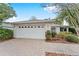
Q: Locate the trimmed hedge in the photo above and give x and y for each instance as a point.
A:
(54, 34)
(6, 34)
(72, 38)
(48, 35)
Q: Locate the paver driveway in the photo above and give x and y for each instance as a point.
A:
(30, 47)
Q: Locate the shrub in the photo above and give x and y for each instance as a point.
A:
(63, 34)
(48, 35)
(72, 30)
(53, 34)
(6, 34)
(72, 38)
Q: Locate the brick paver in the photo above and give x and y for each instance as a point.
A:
(31, 47)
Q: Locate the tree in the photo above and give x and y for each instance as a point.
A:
(6, 11)
(68, 12)
(33, 18)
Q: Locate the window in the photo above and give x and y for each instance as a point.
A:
(42, 26)
(22, 26)
(63, 29)
(31, 26)
(25, 26)
(53, 29)
(19, 26)
(38, 26)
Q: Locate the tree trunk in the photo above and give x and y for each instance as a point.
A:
(77, 31)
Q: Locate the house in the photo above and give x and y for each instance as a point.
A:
(34, 29)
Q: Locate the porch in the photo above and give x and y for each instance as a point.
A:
(58, 29)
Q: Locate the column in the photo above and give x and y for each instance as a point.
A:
(67, 29)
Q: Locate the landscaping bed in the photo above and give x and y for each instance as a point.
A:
(60, 41)
(56, 54)
(62, 37)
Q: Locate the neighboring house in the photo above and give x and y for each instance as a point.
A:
(8, 25)
(35, 29)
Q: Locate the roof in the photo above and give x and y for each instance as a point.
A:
(37, 21)
(32, 21)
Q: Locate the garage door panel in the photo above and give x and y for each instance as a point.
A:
(34, 33)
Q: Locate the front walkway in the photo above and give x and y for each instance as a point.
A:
(29, 47)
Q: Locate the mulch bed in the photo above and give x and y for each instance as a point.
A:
(56, 54)
(59, 41)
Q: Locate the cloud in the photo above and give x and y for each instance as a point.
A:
(14, 19)
(51, 9)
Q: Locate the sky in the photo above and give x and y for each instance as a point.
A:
(25, 11)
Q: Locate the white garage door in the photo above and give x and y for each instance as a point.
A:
(34, 33)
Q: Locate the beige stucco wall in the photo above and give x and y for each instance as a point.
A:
(49, 25)
(34, 33)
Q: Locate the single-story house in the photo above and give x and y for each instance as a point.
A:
(34, 29)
